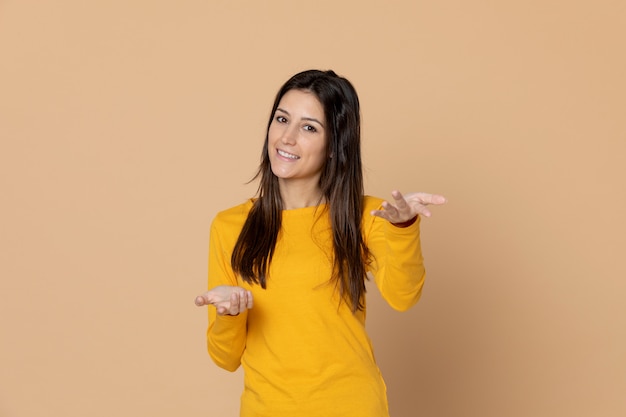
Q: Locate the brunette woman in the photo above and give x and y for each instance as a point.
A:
(287, 269)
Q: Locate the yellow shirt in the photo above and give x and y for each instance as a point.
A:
(303, 351)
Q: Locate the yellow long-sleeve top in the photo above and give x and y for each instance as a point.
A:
(303, 351)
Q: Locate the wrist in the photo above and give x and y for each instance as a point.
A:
(406, 223)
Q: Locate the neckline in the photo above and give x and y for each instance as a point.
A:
(305, 210)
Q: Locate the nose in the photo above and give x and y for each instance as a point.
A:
(289, 135)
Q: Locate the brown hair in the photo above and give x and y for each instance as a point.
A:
(341, 183)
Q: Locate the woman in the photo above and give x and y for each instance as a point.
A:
(300, 253)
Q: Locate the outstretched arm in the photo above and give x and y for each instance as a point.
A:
(228, 302)
(227, 323)
(394, 241)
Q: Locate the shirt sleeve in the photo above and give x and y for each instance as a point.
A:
(226, 335)
(397, 262)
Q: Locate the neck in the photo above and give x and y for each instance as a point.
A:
(299, 195)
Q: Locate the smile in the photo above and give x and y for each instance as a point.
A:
(287, 154)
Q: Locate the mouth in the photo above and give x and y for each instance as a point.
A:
(287, 155)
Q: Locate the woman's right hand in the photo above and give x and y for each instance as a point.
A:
(227, 299)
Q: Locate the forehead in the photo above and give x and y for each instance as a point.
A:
(302, 103)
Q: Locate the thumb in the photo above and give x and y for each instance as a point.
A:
(434, 199)
(201, 301)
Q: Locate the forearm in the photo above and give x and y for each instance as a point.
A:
(226, 340)
(400, 275)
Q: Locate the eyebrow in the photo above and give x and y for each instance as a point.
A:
(311, 119)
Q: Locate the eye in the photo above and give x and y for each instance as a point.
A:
(310, 128)
(281, 119)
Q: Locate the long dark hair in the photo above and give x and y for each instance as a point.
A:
(341, 183)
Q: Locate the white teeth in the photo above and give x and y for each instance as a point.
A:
(287, 155)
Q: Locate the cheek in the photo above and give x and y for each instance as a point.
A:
(323, 150)
(320, 155)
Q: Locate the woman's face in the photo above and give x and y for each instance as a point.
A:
(297, 138)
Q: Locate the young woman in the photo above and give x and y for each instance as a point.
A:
(287, 270)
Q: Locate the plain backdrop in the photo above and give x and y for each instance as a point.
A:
(125, 126)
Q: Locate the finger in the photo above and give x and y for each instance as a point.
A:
(401, 203)
(385, 214)
(426, 198)
(438, 199)
(390, 210)
(422, 210)
(379, 213)
(201, 301)
(234, 304)
(243, 301)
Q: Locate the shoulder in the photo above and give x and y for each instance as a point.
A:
(232, 218)
(371, 203)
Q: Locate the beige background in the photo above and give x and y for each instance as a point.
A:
(126, 125)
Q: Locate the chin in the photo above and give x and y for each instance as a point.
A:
(278, 174)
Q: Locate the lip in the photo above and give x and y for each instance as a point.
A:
(285, 158)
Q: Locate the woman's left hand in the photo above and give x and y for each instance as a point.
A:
(405, 208)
